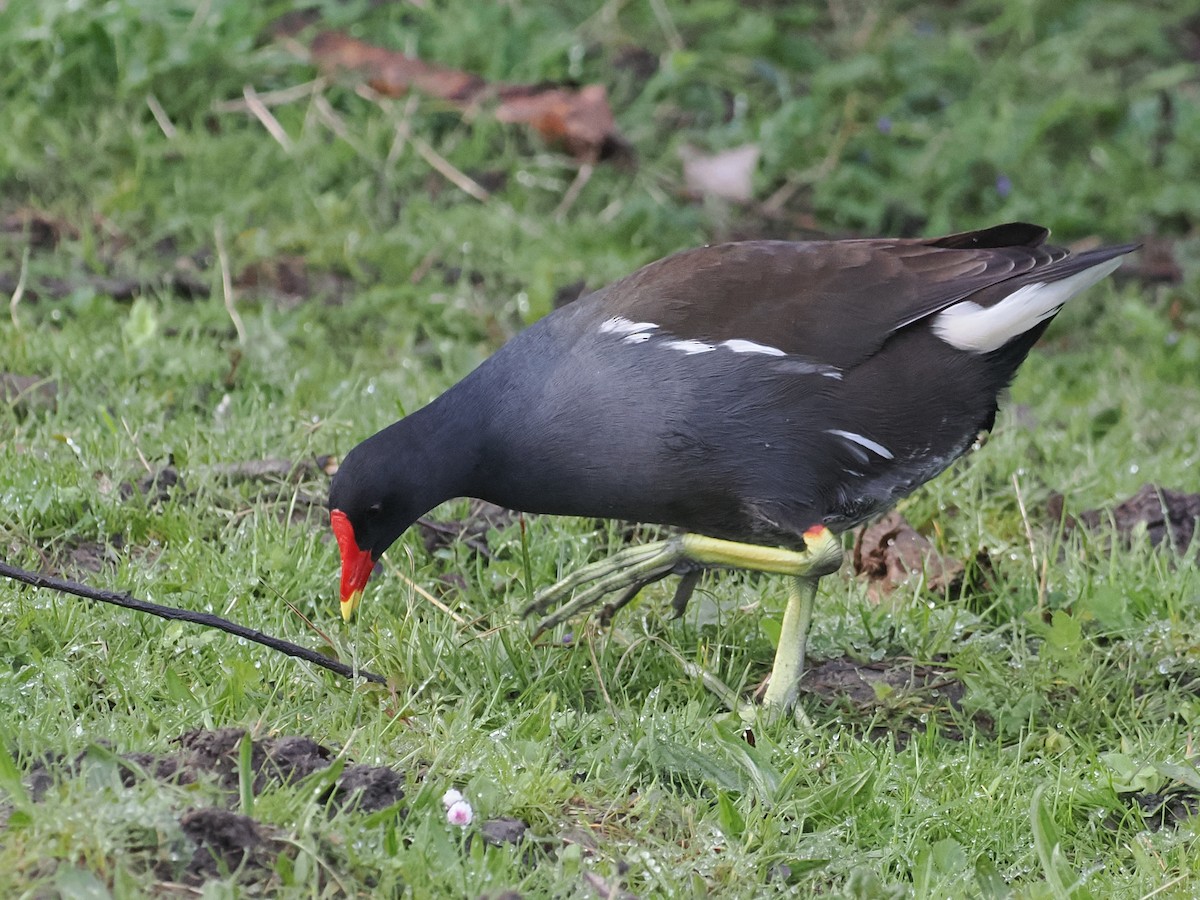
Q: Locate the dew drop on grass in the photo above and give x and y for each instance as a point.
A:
(650, 862)
(1134, 468)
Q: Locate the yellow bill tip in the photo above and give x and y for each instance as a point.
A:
(350, 604)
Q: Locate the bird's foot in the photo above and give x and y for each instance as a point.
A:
(687, 555)
(628, 572)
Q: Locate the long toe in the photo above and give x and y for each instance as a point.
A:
(632, 562)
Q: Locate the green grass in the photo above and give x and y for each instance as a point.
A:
(872, 118)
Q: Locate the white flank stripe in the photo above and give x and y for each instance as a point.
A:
(621, 325)
(737, 345)
(862, 442)
(690, 347)
(979, 329)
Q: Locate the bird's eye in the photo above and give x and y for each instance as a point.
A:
(374, 509)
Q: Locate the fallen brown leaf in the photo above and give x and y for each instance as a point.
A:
(891, 553)
(391, 72)
(580, 120)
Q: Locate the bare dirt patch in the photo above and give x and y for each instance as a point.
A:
(1166, 517)
(217, 839)
(220, 839)
(902, 696)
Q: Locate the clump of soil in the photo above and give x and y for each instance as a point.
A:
(222, 840)
(219, 839)
(907, 695)
(225, 841)
(274, 761)
(1167, 518)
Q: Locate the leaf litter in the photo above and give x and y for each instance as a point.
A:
(890, 554)
(580, 120)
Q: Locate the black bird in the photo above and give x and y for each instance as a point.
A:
(762, 396)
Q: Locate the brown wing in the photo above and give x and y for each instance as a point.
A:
(835, 302)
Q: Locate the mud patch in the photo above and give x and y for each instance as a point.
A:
(216, 756)
(289, 281)
(505, 830)
(215, 838)
(903, 697)
(1164, 516)
(220, 840)
(863, 684)
(1171, 808)
(225, 841)
(88, 556)
(156, 487)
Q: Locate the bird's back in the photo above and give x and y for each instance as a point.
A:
(751, 390)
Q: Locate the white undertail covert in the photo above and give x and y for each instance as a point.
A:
(982, 329)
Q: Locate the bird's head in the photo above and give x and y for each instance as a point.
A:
(368, 510)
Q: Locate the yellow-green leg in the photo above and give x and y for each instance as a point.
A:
(784, 686)
(641, 565)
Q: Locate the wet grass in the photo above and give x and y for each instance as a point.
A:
(1072, 691)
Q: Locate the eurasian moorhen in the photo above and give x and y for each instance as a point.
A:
(759, 395)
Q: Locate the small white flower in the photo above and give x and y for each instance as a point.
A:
(460, 813)
(450, 798)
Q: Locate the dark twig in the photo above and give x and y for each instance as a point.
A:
(170, 612)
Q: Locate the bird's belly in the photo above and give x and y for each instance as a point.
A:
(865, 495)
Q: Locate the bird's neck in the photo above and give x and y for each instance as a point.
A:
(435, 451)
